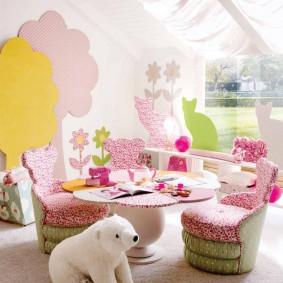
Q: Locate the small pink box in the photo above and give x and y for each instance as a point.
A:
(101, 172)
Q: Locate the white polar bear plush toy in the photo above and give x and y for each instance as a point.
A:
(97, 254)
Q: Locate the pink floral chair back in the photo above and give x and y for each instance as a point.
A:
(58, 214)
(40, 163)
(266, 172)
(124, 152)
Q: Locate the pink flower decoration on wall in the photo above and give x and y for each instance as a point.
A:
(253, 149)
(79, 141)
(153, 74)
(75, 72)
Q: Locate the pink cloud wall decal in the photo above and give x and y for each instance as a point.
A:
(75, 72)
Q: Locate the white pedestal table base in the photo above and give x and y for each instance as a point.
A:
(149, 224)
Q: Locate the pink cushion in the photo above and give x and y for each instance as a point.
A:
(215, 222)
(74, 213)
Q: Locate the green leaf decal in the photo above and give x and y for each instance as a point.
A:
(97, 161)
(107, 158)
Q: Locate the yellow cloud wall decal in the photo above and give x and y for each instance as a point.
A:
(27, 100)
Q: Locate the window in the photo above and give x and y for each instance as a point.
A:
(232, 87)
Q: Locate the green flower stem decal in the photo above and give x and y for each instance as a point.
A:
(153, 74)
(101, 136)
(172, 73)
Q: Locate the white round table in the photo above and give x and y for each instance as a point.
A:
(146, 214)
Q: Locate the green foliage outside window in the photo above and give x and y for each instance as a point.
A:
(232, 87)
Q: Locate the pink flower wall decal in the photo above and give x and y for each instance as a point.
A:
(153, 74)
(79, 141)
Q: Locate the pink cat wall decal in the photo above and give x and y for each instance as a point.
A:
(75, 72)
(271, 131)
(153, 121)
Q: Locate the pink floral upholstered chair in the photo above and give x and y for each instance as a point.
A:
(224, 238)
(58, 214)
(124, 152)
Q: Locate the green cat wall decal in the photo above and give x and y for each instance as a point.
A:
(200, 126)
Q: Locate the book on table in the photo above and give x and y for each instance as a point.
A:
(120, 190)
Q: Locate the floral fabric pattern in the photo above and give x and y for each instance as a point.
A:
(215, 222)
(147, 201)
(59, 208)
(40, 165)
(248, 200)
(124, 152)
(222, 222)
(74, 213)
(252, 149)
(267, 174)
(153, 121)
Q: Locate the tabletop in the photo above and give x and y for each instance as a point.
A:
(155, 199)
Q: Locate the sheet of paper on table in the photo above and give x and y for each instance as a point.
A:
(194, 183)
(186, 181)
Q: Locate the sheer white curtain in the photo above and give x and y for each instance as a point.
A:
(204, 25)
(266, 16)
(207, 27)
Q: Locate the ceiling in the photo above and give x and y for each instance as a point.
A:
(128, 24)
(210, 28)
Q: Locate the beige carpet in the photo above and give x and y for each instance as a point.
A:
(21, 261)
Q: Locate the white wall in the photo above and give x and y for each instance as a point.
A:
(121, 76)
(113, 105)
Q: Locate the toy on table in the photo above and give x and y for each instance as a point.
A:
(99, 176)
(180, 190)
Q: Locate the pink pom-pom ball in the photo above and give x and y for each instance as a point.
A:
(275, 194)
(183, 143)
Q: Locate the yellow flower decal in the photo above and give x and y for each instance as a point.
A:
(153, 72)
(172, 72)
